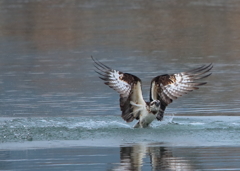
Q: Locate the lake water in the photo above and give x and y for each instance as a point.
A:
(56, 114)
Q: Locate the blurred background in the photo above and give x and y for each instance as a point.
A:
(46, 69)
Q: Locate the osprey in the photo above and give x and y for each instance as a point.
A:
(163, 90)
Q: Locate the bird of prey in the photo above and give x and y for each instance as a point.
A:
(163, 90)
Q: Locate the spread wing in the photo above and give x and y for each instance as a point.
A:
(128, 86)
(167, 87)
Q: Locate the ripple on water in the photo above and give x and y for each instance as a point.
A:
(180, 130)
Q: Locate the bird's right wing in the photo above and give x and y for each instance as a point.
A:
(129, 88)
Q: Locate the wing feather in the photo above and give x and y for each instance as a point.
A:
(169, 87)
(128, 86)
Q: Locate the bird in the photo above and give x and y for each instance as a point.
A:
(163, 90)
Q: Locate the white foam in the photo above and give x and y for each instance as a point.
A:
(197, 123)
(99, 124)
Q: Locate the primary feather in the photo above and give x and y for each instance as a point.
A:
(169, 87)
(127, 85)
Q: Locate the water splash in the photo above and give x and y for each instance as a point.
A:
(113, 129)
(92, 124)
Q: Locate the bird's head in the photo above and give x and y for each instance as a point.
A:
(155, 106)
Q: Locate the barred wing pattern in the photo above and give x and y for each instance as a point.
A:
(167, 87)
(129, 88)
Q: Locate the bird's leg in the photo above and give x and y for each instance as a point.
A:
(160, 114)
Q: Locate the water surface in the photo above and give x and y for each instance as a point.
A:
(108, 143)
(132, 157)
(113, 131)
(56, 114)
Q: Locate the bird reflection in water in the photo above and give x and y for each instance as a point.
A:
(137, 156)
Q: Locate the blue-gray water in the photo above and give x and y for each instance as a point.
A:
(56, 114)
(113, 131)
(107, 143)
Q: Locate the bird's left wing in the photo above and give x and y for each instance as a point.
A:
(169, 87)
(129, 88)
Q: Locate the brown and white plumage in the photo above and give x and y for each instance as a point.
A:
(169, 87)
(129, 88)
(163, 90)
